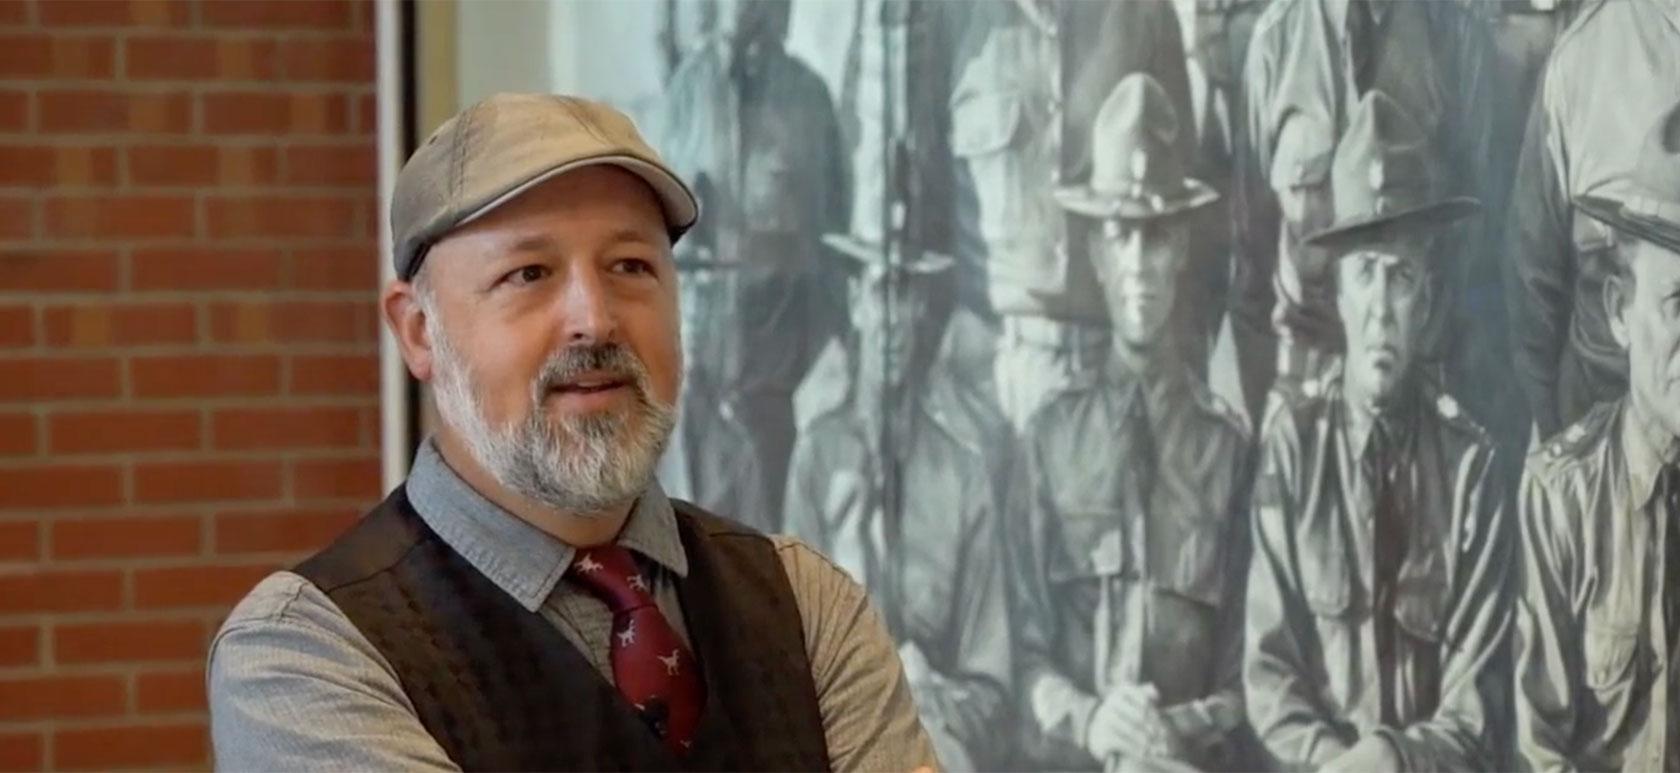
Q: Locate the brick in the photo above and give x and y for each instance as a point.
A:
(291, 216)
(356, 374)
(126, 537)
(238, 429)
(336, 479)
(120, 216)
(121, 325)
(14, 12)
(17, 329)
(345, 165)
(345, 60)
(367, 114)
(63, 485)
(17, 434)
(57, 165)
(163, 482)
(115, 111)
(197, 268)
(281, 530)
(106, 748)
(19, 541)
(280, 14)
(122, 431)
(337, 268)
(205, 376)
(293, 322)
(271, 113)
(115, 13)
(55, 55)
(17, 217)
(22, 751)
(196, 586)
(129, 641)
(179, 57)
(57, 270)
(201, 165)
(167, 692)
(59, 591)
(59, 697)
(58, 379)
(20, 645)
(14, 110)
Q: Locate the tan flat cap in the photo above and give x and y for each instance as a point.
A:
(504, 145)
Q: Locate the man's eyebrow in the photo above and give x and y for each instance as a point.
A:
(620, 235)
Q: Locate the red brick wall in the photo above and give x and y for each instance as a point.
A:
(188, 382)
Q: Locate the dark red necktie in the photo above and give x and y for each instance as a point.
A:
(654, 671)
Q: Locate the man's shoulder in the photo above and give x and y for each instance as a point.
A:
(1598, 22)
(1568, 460)
(283, 619)
(1463, 433)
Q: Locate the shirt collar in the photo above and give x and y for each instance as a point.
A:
(522, 560)
(1646, 451)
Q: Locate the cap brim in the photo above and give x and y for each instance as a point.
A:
(1434, 215)
(675, 199)
(862, 252)
(1610, 212)
(1084, 200)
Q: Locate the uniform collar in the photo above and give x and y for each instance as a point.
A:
(522, 560)
(1646, 451)
(1161, 383)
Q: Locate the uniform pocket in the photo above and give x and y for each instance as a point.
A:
(1609, 652)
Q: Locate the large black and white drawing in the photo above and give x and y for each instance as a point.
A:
(1200, 384)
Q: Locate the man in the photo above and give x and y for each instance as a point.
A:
(1379, 602)
(1320, 57)
(1031, 75)
(760, 125)
(1128, 541)
(1580, 137)
(711, 459)
(893, 485)
(529, 598)
(1598, 624)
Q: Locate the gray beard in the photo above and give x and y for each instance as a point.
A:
(578, 465)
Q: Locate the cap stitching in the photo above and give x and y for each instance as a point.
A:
(583, 119)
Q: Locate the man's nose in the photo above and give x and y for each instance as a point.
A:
(586, 309)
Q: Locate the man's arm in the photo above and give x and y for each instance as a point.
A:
(1467, 730)
(1285, 706)
(1539, 272)
(869, 717)
(293, 685)
(1548, 656)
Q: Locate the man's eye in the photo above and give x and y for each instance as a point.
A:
(632, 266)
(528, 274)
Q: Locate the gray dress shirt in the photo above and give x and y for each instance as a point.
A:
(295, 685)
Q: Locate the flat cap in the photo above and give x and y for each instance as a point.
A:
(503, 146)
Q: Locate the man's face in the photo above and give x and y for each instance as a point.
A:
(554, 334)
(1383, 297)
(1137, 264)
(892, 323)
(1645, 319)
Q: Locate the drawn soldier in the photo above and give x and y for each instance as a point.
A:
(1581, 136)
(891, 485)
(1127, 538)
(760, 126)
(1379, 598)
(1598, 625)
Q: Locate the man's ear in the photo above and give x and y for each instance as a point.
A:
(1618, 291)
(405, 315)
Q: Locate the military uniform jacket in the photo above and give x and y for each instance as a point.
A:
(712, 459)
(1311, 667)
(1592, 657)
(1582, 135)
(932, 562)
(1127, 545)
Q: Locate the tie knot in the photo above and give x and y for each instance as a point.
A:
(610, 573)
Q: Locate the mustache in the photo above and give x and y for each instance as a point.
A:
(572, 362)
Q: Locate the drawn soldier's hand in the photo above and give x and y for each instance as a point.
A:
(1129, 722)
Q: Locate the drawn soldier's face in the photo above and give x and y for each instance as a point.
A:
(1137, 263)
(892, 323)
(1644, 303)
(1383, 296)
